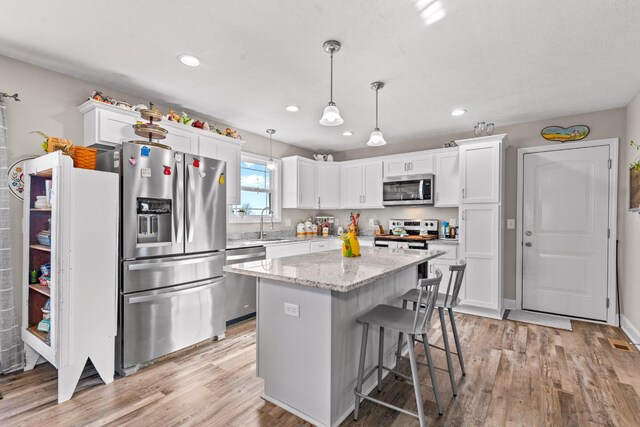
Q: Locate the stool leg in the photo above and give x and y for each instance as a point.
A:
(432, 372)
(447, 350)
(454, 329)
(416, 379)
(399, 350)
(380, 358)
(363, 352)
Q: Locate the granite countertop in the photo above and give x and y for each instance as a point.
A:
(330, 270)
(444, 241)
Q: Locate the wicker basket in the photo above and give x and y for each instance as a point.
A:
(84, 158)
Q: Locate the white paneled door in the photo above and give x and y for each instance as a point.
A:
(565, 232)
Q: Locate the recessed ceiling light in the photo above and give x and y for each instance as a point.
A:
(347, 133)
(458, 112)
(189, 60)
(292, 108)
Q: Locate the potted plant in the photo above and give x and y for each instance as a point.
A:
(242, 210)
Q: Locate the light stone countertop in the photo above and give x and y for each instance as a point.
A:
(247, 243)
(330, 270)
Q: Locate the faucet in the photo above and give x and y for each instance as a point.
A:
(262, 221)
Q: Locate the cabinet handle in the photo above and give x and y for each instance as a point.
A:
(318, 202)
(410, 165)
(463, 193)
(364, 199)
(405, 167)
(463, 215)
(437, 196)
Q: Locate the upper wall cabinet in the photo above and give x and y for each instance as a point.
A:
(361, 184)
(217, 148)
(414, 165)
(480, 172)
(308, 184)
(447, 179)
(107, 125)
(299, 183)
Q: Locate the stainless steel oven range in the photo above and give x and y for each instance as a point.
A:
(172, 241)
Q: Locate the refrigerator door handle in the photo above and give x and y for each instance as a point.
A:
(178, 210)
(167, 264)
(190, 205)
(161, 295)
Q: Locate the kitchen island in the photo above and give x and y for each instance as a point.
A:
(308, 339)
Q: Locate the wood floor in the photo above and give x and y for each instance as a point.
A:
(517, 374)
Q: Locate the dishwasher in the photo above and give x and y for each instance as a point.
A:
(241, 289)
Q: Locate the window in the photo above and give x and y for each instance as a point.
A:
(259, 189)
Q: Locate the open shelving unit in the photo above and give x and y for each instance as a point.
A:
(81, 286)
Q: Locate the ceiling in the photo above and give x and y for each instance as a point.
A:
(503, 61)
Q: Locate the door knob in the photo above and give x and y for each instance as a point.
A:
(528, 244)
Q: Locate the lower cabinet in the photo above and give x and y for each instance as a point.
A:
(480, 237)
(442, 263)
(287, 249)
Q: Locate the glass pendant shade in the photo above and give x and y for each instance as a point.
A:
(376, 139)
(271, 165)
(331, 116)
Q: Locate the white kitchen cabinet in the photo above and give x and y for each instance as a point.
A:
(287, 249)
(419, 164)
(443, 262)
(480, 240)
(480, 172)
(299, 183)
(320, 245)
(480, 221)
(211, 146)
(180, 138)
(447, 179)
(361, 185)
(328, 185)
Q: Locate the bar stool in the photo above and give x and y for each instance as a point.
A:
(447, 301)
(406, 322)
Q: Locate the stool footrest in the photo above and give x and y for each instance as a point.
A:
(388, 405)
(423, 364)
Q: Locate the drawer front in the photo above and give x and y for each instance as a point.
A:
(320, 246)
(451, 251)
(159, 322)
(159, 273)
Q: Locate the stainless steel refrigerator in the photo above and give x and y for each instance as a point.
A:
(172, 241)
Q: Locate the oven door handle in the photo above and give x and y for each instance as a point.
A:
(173, 293)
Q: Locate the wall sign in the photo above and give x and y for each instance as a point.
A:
(15, 177)
(558, 133)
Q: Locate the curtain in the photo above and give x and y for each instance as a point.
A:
(11, 355)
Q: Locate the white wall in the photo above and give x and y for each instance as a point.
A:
(49, 103)
(603, 124)
(629, 250)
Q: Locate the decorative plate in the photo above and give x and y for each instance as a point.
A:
(558, 133)
(15, 177)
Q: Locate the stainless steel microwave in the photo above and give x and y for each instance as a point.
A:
(408, 190)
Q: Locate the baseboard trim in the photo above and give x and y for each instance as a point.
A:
(632, 332)
(509, 304)
(479, 311)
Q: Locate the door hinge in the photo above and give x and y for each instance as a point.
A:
(610, 162)
(607, 302)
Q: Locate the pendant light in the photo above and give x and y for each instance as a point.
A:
(331, 115)
(376, 139)
(271, 165)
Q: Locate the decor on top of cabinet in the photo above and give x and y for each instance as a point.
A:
(482, 127)
(558, 133)
(323, 157)
(83, 157)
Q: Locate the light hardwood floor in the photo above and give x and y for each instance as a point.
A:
(517, 374)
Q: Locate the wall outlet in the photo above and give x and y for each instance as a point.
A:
(511, 224)
(373, 222)
(291, 309)
(287, 222)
